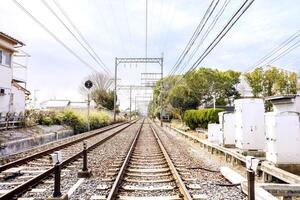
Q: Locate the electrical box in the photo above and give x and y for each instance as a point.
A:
(249, 124)
(227, 128)
(285, 103)
(283, 137)
(213, 133)
(283, 130)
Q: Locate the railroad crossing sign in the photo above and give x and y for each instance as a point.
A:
(88, 84)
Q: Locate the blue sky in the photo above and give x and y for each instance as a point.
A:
(116, 28)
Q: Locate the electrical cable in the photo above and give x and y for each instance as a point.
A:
(54, 36)
(77, 39)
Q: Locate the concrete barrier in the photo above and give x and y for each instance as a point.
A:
(27, 143)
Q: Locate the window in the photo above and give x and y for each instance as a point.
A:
(7, 58)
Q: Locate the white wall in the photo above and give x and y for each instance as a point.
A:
(18, 100)
(5, 83)
(5, 77)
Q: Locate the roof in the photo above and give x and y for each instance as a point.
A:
(15, 84)
(11, 38)
(55, 103)
(281, 97)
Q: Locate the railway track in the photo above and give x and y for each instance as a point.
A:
(146, 172)
(23, 174)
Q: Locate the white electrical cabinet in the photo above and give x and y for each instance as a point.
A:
(249, 124)
(213, 133)
(283, 137)
(283, 130)
(227, 129)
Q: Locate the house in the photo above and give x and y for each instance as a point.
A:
(13, 92)
(63, 104)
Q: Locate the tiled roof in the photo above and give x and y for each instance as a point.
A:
(11, 38)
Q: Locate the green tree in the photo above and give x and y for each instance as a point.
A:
(181, 99)
(103, 98)
(100, 92)
(254, 79)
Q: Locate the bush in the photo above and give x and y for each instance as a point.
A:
(201, 118)
(46, 121)
(76, 120)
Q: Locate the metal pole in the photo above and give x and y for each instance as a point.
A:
(84, 168)
(161, 93)
(214, 102)
(88, 112)
(115, 93)
(57, 192)
(135, 104)
(130, 103)
(251, 184)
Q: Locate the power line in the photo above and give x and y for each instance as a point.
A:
(224, 31)
(80, 34)
(209, 29)
(237, 15)
(196, 33)
(77, 39)
(288, 50)
(53, 35)
(275, 50)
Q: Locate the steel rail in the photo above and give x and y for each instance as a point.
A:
(47, 151)
(115, 187)
(181, 185)
(14, 193)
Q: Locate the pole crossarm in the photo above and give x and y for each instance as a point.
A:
(139, 60)
(135, 87)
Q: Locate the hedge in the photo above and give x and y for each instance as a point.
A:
(201, 118)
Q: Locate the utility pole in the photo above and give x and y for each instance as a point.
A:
(115, 93)
(130, 91)
(161, 91)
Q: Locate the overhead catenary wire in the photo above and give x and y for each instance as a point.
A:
(278, 48)
(81, 36)
(101, 64)
(196, 33)
(236, 16)
(205, 35)
(268, 57)
(54, 36)
(288, 50)
(223, 32)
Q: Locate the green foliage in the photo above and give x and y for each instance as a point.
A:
(201, 118)
(194, 89)
(77, 120)
(104, 98)
(271, 82)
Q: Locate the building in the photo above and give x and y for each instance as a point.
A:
(13, 70)
(63, 104)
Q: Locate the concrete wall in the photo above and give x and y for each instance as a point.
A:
(5, 76)
(18, 100)
(25, 144)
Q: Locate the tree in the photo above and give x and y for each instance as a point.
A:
(271, 82)
(181, 99)
(206, 83)
(254, 79)
(100, 92)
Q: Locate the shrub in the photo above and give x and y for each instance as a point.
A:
(201, 118)
(46, 121)
(75, 119)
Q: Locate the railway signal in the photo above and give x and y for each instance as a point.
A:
(88, 84)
